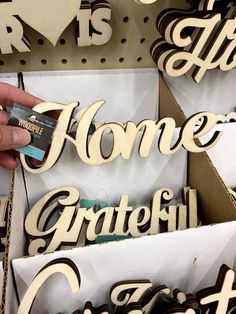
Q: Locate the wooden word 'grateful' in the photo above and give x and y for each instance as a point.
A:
(121, 136)
(122, 220)
(195, 41)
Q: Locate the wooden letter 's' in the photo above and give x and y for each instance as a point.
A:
(100, 21)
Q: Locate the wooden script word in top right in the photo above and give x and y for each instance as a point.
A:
(196, 40)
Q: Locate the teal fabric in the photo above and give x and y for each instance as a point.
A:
(93, 203)
(97, 205)
(110, 238)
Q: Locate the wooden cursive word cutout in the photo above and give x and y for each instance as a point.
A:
(122, 220)
(50, 18)
(124, 135)
(64, 266)
(217, 299)
(140, 296)
(214, 300)
(209, 46)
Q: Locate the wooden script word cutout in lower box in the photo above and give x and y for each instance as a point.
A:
(140, 296)
(121, 136)
(50, 18)
(196, 40)
(83, 225)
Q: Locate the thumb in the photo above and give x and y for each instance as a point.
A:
(13, 137)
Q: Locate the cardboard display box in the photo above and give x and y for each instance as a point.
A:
(160, 264)
(217, 205)
(179, 260)
(215, 93)
(125, 94)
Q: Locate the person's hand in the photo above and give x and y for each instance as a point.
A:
(12, 137)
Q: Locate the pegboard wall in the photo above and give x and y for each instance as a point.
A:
(133, 32)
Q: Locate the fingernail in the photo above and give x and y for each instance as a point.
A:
(21, 137)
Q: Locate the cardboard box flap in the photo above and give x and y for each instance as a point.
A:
(215, 93)
(179, 259)
(168, 106)
(216, 203)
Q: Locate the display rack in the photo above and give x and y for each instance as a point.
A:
(133, 27)
(122, 73)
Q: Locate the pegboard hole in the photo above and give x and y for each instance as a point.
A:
(123, 40)
(139, 59)
(44, 61)
(40, 42)
(84, 61)
(103, 60)
(1, 62)
(22, 61)
(146, 19)
(121, 60)
(9, 29)
(142, 40)
(64, 61)
(62, 41)
(126, 19)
